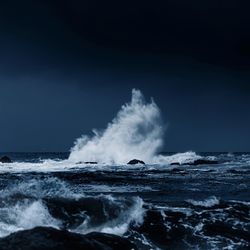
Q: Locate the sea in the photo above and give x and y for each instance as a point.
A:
(155, 206)
(182, 200)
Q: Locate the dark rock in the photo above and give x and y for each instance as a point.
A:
(177, 170)
(87, 162)
(175, 163)
(233, 171)
(201, 162)
(135, 161)
(5, 159)
(225, 230)
(41, 238)
(154, 228)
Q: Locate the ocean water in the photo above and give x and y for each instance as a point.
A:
(156, 206)
(168, 203)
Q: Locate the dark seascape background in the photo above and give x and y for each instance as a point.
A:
(153, 206)
(67, 69)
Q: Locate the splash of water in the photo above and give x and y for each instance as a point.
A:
(136, 132)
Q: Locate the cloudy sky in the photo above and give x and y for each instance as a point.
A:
(67, 66)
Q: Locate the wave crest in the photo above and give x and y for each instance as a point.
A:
(136, 132)
(209, 202)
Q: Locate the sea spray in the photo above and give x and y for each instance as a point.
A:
(136, 132)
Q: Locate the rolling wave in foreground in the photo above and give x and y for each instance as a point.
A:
(174, 201)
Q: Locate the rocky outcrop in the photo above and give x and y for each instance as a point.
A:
(196, 162)
(41, 238)
(135, 161)
(5, 159)
(175, 163)
(201, 162)
(87, 162)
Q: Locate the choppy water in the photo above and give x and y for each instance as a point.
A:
(156, 206)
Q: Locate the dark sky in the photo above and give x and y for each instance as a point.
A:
(67, 66)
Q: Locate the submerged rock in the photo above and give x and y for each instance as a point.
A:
(5, 159)
(177, 170)
(135, 161)
(87, 162)
(175, 163)
(196, 162)
(154, 228)
(225, 230)
(41, 238)
(201, 162)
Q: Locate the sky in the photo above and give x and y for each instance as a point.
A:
(66, 67)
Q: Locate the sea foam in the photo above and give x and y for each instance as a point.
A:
(209, 202)
(136, 132)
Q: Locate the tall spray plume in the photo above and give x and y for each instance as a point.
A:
(135, 132)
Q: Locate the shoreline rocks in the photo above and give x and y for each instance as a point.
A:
(87, 162)
(136, 161)
(196, 162)
(5, 159)
(201, 162)
(49, 238)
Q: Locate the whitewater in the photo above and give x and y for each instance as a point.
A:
(135, 132)
(182, 200)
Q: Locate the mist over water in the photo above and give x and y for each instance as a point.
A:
(135, 132)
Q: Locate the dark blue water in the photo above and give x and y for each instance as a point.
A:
(154, 206)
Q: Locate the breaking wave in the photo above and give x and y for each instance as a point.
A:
(136, 132)
(25, 215)
(209, 202)
(51, 202)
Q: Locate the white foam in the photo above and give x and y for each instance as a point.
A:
(45, 166)
(37, 188)
(209, 202)
(120, 225)
(181, 158)
(136, 132)
(25, 216)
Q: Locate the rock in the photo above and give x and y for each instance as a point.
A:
(135, 161)
(175, 163)
(87, 162)
(201, 162)
(5, 159)
(41, 238)
(177, 170)
(233, 171)
(225, 230)
(154, 228)
(196, 162)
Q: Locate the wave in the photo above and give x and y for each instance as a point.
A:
(209, 202)
(109, 215)
(40, 188)
(180, 158)
(54, 203)
(128, 215)
(136, 132)
(156, 162)
(25, 215)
